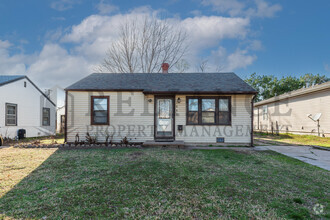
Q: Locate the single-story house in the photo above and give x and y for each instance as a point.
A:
(24, 106)
(303, 111)
(205, 108)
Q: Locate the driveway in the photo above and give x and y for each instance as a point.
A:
(320, 158)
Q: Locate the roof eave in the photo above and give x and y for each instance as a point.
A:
(162, 92)
(27, 78)
(199, 92)
(13, 80)
(103, 90)
(35, 86)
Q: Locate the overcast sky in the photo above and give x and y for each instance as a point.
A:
(58, 42)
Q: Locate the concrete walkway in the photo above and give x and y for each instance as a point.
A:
(316, 157)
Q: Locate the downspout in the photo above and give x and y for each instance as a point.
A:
(252, 112)
(66, 117)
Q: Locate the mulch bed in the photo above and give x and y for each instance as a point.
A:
(78, 146)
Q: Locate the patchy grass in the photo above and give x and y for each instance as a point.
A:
(56, 139)
(292, 139)
(16, 164)
(151, 183)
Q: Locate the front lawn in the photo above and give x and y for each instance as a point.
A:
(294, 139)
(150, 183)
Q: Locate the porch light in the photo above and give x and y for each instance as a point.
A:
(179, 100)
(149, 100)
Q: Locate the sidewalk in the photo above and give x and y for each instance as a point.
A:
(316, 157)
(307, 154)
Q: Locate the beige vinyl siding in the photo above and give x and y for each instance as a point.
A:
(137, 127)
(78, 107)
(238, 132)
(293, 114)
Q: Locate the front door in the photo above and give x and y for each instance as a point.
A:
(164, 118)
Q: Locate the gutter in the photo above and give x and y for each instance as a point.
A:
(252, 112)
(200, 92)
(66, 118)
(147, 92)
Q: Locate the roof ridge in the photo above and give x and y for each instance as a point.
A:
(169, 73)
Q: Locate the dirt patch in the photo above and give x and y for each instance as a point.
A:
(135, 155)
(247, 152)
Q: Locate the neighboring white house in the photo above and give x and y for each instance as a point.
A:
(24, 106)
(293, 112)
(190, 107)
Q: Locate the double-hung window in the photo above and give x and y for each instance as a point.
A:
(45, 116)
(100, 110)
(224, 111)
(11, 114)
(192, 114)
(209, 110)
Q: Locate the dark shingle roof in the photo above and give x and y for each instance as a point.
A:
(164, 83)
(5, 79)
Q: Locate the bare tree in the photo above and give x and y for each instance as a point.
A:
(219, 68)
(202, 66)
(144, 46)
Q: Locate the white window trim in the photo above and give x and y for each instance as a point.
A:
(6, 115)
(43, 116)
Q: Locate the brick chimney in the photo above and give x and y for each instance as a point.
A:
(165, 67)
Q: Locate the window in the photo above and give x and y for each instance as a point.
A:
(265, 112)
(224, 111)
(164, 108)
(11, 114)
(209, 110)
(45, 116)
(192, 116)
(100, 110)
